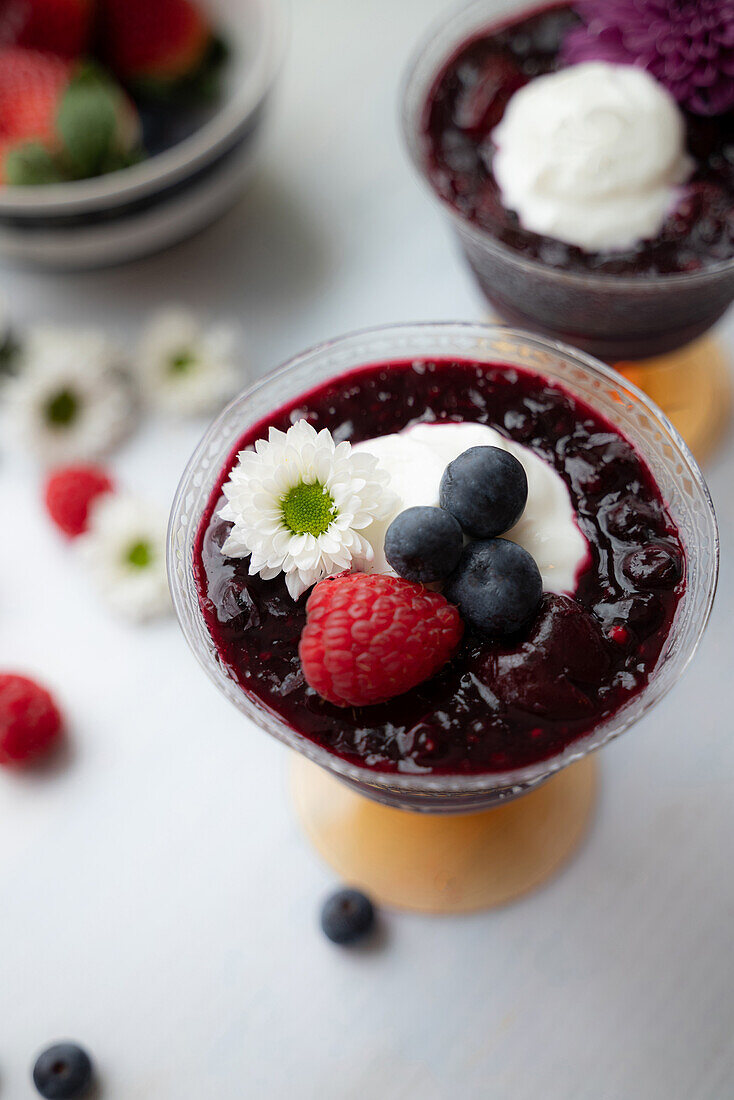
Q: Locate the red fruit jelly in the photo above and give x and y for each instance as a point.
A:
(498, 704)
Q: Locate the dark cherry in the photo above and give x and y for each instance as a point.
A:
(497, 705)
(469, 99)
(557, 669)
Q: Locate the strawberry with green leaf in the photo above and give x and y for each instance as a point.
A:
(31, 87)
(61, 121)
(161, 49)
(63, 27)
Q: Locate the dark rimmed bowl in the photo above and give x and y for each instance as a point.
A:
(173, 194)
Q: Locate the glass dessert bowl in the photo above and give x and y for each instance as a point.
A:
(648, 298)
(443, 751)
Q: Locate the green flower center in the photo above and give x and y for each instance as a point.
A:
(181, 361)
(308, 509)
(62, 408)
(139, 555)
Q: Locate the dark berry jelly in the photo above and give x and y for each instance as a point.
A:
(468, 100)
(498, 705)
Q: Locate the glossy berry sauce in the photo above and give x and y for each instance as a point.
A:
(495, 706)
(469, 99)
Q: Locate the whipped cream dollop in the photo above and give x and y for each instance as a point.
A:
(592, 155)
(416, 459)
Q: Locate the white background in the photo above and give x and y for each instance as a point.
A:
(157, 900)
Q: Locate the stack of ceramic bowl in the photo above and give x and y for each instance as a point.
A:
(140, 210)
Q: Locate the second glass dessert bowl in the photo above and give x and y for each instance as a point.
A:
(617, 306)
(675, 474)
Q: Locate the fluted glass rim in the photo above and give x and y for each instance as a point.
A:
(473, 339)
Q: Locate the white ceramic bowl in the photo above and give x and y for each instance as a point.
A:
(140, 210)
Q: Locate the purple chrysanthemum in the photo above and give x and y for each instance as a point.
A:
(688, 45)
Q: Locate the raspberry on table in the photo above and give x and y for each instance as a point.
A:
(369, 637)
(70, 493)
(30, 721)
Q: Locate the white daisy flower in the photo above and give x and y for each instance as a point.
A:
(298, 503)
(185, 368)
(69, 401)
(125, 550)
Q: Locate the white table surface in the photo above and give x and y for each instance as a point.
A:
(158, 902)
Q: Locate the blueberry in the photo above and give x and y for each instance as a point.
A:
(496, 586)
(602, 463)
(644, 613)
(486, 489)
(631, 518)
(424, 544)
(347, 916)
(63, 1072)
(653, 566)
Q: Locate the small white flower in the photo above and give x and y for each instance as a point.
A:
(185, 368)
(69, 401)
(298, 503)
(125, 550)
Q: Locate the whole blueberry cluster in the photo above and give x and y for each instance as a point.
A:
(494, 582)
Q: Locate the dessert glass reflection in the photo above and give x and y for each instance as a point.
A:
(672, 468)
(645, 301)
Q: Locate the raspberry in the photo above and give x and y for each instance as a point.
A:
(30, 721)
(69, 494)
(369, 638)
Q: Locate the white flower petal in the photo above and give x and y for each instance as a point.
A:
(185, 369)
(87, 367)
(254, 493)
(118, 524)
(295, 585)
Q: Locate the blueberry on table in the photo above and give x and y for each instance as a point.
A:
(63, 1072)
(424, 544)
(486, 490)
(496, 586)
(347, 916)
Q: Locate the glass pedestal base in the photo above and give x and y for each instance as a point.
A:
(692, 387)
(440, 863)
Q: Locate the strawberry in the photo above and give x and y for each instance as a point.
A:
(371, 637)
(63, 27)
(60, 120)
(157, 47)
(31, 87)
